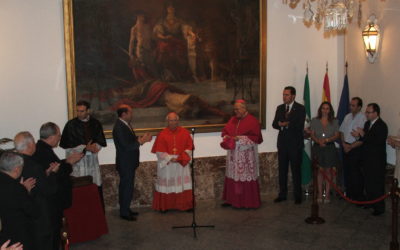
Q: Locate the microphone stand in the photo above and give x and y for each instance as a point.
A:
(194, 224)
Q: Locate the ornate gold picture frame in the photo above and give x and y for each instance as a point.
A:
(188, 56)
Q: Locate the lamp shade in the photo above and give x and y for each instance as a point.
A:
(371, 36)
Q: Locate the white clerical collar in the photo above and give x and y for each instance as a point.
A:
(86, 119)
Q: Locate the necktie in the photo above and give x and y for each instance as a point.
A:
(287, 111)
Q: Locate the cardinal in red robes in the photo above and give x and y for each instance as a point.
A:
(173, 147)
(241, 135)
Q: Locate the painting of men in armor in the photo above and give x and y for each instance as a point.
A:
(187, 56)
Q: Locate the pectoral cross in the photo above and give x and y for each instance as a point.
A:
(174, 149)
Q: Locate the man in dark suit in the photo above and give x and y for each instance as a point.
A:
(17, 209)
(289, 120)
(49, 138)
(45, 187)
(373, 145)
(127, 158)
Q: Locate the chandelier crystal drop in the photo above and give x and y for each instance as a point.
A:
(333, 14)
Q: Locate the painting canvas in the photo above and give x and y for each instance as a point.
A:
(187, 56)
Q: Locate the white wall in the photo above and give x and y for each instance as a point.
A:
(377, 82)
(32, 69)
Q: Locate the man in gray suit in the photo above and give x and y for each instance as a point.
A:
(127, 158)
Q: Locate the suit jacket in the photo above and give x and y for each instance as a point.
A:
(45, 155)
(127, 146)
(293, 135)
(17, 211)
(374, 143)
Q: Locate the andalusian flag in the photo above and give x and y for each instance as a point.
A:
(306, 161)
(326, 92)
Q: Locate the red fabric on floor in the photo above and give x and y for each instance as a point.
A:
(180, 201)
(242, 194)
(85, 218)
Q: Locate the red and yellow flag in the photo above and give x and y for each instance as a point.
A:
(326, 92)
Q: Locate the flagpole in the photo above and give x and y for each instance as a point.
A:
(307, 67)
(306, 158)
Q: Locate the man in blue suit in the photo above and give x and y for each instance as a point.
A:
(127, 158)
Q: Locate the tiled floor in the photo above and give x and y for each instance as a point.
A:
(273, 226)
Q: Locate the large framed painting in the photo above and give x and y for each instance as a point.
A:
(188, 56)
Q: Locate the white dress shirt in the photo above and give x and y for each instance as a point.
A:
(351, 123)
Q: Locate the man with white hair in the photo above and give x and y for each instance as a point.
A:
(241, 136)
(173, 148)
(46, 186)
(17, 208)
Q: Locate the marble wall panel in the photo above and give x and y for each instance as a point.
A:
(209, 177)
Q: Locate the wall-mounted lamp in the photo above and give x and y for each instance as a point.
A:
(371, 36)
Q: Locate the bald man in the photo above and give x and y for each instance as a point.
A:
(127, 158)
(173, 148)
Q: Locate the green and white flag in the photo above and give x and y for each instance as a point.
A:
(306, 161)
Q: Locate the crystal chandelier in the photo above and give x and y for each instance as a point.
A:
(334, 14)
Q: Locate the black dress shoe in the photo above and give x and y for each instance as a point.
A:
(133, 213)
(163, 211)
(297, 202)
(377, 213)
(189, 210)
(279, 199)
(226, 205)
(128, 217)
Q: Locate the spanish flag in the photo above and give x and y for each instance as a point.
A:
(326, 92)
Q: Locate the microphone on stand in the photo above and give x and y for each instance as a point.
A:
(193, 131)
(194, 226)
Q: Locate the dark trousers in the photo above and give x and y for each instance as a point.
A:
(125, 191)
(375, 182)
(293, 156)
(354, 178)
